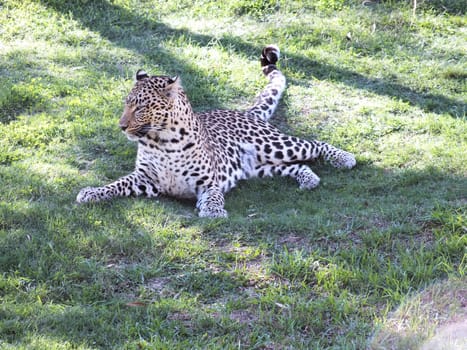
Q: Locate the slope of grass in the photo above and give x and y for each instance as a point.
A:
(288, 269)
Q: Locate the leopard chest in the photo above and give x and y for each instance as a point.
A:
(176, 169)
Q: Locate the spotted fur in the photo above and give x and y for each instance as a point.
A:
(204, 155)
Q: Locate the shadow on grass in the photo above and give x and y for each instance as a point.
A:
(31, 86)
(73, 245)
(110, 21)
(93, 260)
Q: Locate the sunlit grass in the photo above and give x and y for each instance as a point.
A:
(339, 267)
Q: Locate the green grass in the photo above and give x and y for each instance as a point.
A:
(340, 267)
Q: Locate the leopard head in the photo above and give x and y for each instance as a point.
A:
(149, 104)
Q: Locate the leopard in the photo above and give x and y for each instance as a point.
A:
(203, 155)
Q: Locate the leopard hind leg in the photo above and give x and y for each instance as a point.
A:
(302, 173)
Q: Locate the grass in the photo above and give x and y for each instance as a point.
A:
(361, 262)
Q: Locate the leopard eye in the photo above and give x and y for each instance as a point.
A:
(129, 102)
(139, 107)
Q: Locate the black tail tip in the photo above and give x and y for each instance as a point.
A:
(270, 55)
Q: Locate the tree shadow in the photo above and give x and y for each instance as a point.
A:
(108, 328)
(70, 249)
(109, 20)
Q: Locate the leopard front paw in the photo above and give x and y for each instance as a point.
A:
(212, 213)
(87, 194)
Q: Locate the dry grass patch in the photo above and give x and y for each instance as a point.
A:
(436, 318)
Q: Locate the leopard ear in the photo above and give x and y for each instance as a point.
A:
(173, 80)
(170, 91)
(141, 74)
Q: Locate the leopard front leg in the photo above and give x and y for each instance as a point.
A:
(211, 203)
(132, 184)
